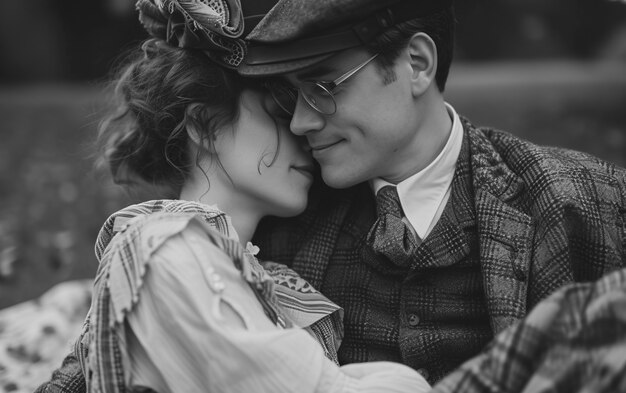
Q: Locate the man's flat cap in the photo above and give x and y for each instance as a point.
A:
(296, 34)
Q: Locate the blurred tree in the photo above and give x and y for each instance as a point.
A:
(63, 39)
(531, 29)
(583, 25)
(29, 41)
(94, 33)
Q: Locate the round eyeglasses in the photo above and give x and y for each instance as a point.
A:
(318, 94)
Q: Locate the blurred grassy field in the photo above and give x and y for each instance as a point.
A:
(51, 200)
(52, 203)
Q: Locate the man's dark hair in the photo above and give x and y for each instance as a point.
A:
(439, 26)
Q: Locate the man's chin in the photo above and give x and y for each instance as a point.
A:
(338, 180)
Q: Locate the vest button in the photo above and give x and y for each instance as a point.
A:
(414, 320)
(424, 373)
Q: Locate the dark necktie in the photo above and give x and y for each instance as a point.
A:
(390, 236)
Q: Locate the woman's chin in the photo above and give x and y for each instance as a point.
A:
(292, 209)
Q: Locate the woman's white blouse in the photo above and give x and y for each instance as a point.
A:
(198, 327)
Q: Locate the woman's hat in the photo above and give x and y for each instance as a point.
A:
(213, 26)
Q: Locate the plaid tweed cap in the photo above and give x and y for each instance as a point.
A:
(296, 34)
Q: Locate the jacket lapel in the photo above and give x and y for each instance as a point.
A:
(505, 232)
(450, 241)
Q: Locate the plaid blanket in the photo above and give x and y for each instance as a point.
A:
(574, 341)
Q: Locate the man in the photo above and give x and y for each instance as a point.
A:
(443, 234)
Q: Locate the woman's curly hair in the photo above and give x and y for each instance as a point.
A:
(160, 94)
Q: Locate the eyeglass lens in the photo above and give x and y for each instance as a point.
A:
(319, 97)
(316, 95)
(285, 96)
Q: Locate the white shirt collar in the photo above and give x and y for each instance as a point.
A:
(424, 195)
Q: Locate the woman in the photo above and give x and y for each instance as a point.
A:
(180, 302)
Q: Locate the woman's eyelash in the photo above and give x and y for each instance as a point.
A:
(275, 111)
(283, 116)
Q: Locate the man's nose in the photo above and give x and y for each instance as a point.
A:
(305, 119)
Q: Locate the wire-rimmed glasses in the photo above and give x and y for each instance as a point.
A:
(318, 94)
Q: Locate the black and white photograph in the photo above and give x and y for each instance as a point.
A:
(313, 196)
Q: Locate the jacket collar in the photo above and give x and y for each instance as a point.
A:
(505, 231)
(449, 242)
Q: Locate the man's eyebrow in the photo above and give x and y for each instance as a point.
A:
(316, 72)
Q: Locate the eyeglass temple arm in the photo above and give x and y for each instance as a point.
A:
(352, 72)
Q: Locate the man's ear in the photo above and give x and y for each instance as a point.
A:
(422, 53)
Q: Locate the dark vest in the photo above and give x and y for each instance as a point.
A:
(431, 315)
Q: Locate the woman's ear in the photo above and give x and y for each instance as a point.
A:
(200, 141)
(422, 53)
(197, 138)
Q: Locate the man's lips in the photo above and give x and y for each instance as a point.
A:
(324, 146)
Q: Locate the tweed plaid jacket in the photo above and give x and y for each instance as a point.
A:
(545, 217)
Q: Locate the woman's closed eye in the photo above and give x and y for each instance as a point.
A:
(275, 111)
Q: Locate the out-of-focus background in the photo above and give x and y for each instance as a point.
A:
(551, 71)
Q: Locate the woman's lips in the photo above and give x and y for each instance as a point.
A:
(305, 169)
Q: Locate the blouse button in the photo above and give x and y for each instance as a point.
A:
(215, 281)
(414, 320)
